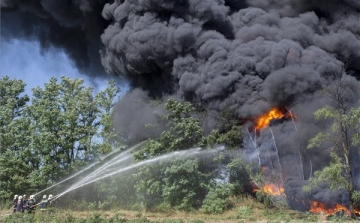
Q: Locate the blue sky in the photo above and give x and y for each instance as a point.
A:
(24, 60)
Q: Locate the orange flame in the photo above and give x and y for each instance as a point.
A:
(275, 113)
(357, 211)
(273, 189)
(318, 207)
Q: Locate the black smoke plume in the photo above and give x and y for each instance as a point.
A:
(244, 56)
(71, 26)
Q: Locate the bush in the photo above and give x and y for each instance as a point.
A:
(244, 212)
(266, 199)
(216, 200)
(163, 207)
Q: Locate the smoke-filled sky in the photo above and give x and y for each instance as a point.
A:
(244, 55)
(28, 53)
(24, 60)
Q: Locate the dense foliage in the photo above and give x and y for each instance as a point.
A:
(64, 127)
(14, 129)
(189, 178)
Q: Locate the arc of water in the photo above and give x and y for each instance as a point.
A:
(255, 146)
(111, 162)
(100, 170)
(108, 164)
(118, 171)
(72, 176)
(277, 154)
(166, 156)
(300, 153)
(90, 166)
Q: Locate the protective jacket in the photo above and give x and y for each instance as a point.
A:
(31, 205)
(43, 204)
(19, 206)
(15, 204)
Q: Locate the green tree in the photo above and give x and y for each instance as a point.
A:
(232, 138)
(58, 133)
(217, 200)
(15, 160)
(64, 121)
(106, 100)
(12, 104)
(239, 174)
(181, 182)
(184, 131)
(230, 132)
(167, 185)
(341, 131)
(186, 183)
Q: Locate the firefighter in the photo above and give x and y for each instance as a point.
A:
(43, 203)
(51, 202)
(24, 203)
(15, 203)
(19, 204)
(31, 205)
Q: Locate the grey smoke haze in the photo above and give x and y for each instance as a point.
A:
(246, 56)
(135, 111)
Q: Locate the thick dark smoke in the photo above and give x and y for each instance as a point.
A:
(72, 26)
(299, 199)
(244, 56)
(246, 59)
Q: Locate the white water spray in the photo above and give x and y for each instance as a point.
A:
(128, 151)
(163, 157)
(101, 171)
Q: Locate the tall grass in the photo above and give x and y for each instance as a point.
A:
(246, 209)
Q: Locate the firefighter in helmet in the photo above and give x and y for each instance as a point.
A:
(19, 204)
(15, 203)
(51, 201)
(31, 204)
(24, 202)
(43, 203)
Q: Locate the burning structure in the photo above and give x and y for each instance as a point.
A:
(245, 56)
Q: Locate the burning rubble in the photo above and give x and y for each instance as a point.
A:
(319, 200)
(318, 207)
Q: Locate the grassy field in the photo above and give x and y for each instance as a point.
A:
(245, 210)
